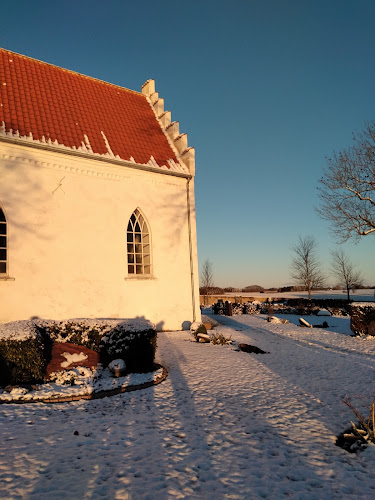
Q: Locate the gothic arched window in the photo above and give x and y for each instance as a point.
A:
(138, 245)
(3, 243)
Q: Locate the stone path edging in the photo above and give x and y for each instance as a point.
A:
(95, 395)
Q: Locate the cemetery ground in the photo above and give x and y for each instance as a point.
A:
(224, 424)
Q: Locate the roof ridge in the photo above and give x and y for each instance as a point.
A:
(70, 71)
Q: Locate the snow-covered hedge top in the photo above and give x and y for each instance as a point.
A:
(362, 304)
(130, 325)
(22, 330)
(18, 330)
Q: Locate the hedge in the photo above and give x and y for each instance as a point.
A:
(23, 357)
(361, 315)
(26, 346)
(137, 349)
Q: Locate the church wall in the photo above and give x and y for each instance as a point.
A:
(67, 218)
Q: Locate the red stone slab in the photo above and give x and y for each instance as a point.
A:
(57, 358)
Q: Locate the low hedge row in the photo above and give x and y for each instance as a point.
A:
(26, 346)
(298, 306)
(24, 354)
(333, 304)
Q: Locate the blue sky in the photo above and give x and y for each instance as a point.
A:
(265, 89)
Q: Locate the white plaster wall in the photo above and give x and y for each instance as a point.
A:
(67, 218)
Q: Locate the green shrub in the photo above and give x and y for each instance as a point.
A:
(81, 332)
(361, 315)
(137, 349)
(23, 356)
(134, 341)
(26, 346)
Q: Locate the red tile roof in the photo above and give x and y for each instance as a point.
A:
(45, 103)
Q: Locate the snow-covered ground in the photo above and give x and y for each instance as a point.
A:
(224, 424)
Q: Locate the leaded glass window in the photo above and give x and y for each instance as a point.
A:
(138, 245)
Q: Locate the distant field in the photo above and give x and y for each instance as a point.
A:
(359, 296)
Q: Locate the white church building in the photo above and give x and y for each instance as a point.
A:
(97, 209)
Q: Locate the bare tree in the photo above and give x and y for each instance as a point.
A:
(207, 277)
(305, 268)
(347, 191)
(345, 271)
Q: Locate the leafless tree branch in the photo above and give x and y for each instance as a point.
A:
(347, 189)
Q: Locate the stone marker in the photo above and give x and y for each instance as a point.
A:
(203, 337)
(302, 322)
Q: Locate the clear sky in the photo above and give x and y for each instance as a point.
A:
(265, 89)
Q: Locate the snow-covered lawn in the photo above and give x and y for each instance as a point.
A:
(224, 424)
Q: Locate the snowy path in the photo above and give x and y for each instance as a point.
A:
(224, 424)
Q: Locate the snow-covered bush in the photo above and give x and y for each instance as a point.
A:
(237, 309)
(136, 348)
(300, 306)
(25, 346)
(357, 438)
(86, 332)
(251, 307)
(362, 314)
(133, 340)
(24, 353)
(218, 307)
(219, 338)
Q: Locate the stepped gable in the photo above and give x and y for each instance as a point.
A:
(45, 104)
